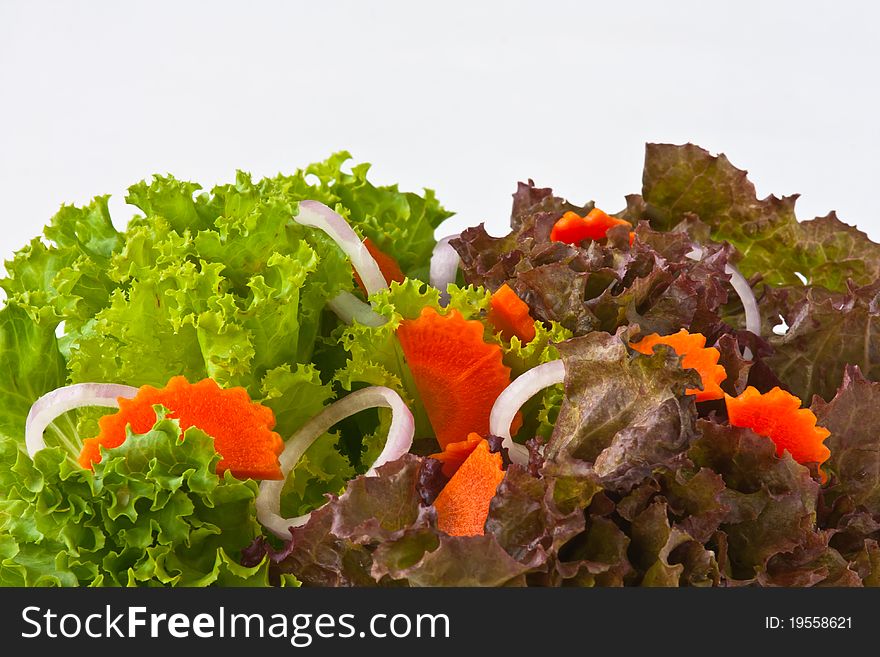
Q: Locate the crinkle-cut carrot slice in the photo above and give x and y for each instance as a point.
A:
(696, 356)
(241, 428)
(456, 453)
(778, 415)
(574, 229)
(463, 504)
(457, 374)
(510, 315)
(387, 265)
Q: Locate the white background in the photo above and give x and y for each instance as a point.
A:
(463, 97)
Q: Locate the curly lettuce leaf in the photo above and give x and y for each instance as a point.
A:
(853, 416)
(680, 181)
(32, 365)
(533, 519)
(399, 223)
(228, 296)
(65, 277)
(771, 500)
(602, 285)
(380, 533)
(625, 414)
(826, 332)
(219, 283)
(152, 512)
(376, 357)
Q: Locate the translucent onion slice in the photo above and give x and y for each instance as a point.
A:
(523, 388)
(398, 443)
(444, 267)
(317, 215)
(741, 286)
(350, 309)
(54, 404)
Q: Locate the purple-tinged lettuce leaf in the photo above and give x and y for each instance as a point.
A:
(598, 556)
(529, 200)
(735, 366)
(462, 561)
(602, 285)
(667, 555)
(681, 181)
(431, 480)
(695, 501)
(853, 417)
(626, 414)
(826, 332)
(867, 564)
(379, 532)
(533, 517)
(771, 500)
(812, 564)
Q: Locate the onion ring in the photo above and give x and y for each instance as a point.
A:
(53, 404)
(399, 441)
(444, 267)
(317, 215)
(511, 399)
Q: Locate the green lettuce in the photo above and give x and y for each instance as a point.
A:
(153, 512)
(376, 357)
(32, 366)
(220, 284)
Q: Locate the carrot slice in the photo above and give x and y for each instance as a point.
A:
(778, 415)
(510, 315)
(696, 357)
(457, 374)
(574, 229)
(387, 265)
(463, 504)
(241, 428)
(456, 453)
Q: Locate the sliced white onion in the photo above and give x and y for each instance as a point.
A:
(350, 309)
(444, 267)
(741, 286)
(317, 215)
(398, 443)
(511, 399)
(54, 404)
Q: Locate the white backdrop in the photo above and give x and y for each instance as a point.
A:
(463, 97)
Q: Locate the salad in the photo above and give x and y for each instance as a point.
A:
(289, 382)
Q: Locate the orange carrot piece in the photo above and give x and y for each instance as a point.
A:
(574, 229)
(696, 357)
(510, 315)
(457, 374)
(241, 428)
(778, 415)
(456, 453)
(387, 265)
(463, 504)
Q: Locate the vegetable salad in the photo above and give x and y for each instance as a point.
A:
(290, 382)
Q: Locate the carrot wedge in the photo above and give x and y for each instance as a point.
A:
(463, 504)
